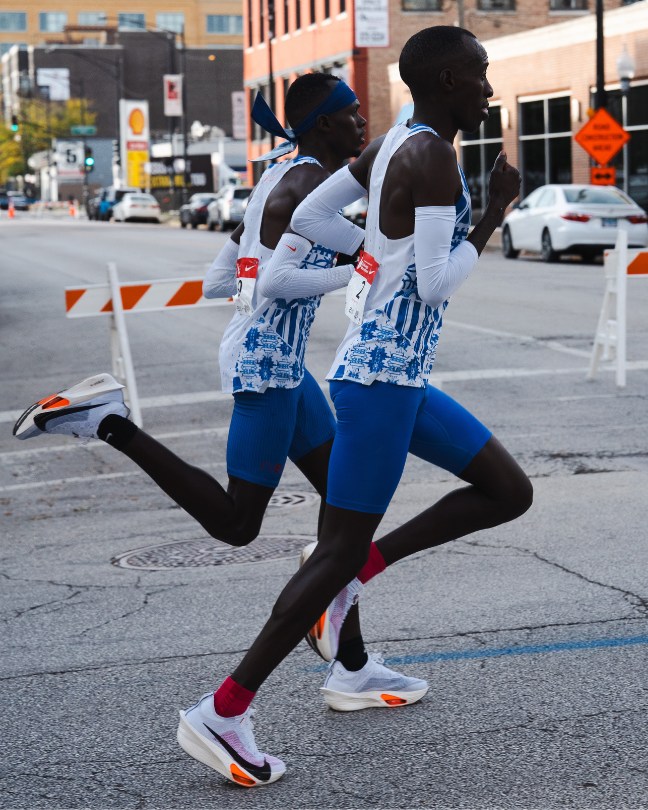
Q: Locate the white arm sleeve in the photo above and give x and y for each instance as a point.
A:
(220, 281)
(318, 218)
(440, 271)
(284, 277)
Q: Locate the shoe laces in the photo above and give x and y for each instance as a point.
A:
(247, 732)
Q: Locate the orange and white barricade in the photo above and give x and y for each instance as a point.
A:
(610, 339)
(117, 299)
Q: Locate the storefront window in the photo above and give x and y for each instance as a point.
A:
(545, 142)
(478, 153)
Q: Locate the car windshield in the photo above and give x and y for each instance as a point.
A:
(596, 196)
(241, 193)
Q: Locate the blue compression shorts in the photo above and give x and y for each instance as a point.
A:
(280, 423)
(379, 424)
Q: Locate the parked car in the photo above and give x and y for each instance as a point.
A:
(581, 219)
(228, 209)
(105, 199)
(93, 202)
(194, 212)
(19, 201)
(140, 206)
(357, 211)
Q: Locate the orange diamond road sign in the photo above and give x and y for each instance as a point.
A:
(601, 137)
(602, 175)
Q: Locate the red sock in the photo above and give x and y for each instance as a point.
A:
(232, 699)
(375, 565)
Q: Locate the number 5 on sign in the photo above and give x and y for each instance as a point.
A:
(359, 286)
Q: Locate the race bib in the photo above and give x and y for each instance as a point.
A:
(246, 275)
(359, 286)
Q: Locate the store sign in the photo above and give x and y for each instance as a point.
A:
(372, 23)
(135, 141)
(239, 121)
(172, 88)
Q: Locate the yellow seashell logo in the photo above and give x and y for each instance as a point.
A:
(136, 121)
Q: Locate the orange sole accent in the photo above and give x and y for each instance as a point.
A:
(54, 402)
(240, 777)
(317, 630)
(392, 700)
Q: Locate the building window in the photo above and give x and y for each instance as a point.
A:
(92, 18)
(631, 112)
(224, 24)
(568, 5)
(496, 5)
(286, 16)
(131, 22)
(422, 5)
(170, 22)
(327, 9)
(545, 142)
(312, 11)
(478, 153)
(342, 6)
(13, 21)
(52, 21)
(249, 24)
(298, 15)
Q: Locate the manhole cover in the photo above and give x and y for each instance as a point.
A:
(206, 551)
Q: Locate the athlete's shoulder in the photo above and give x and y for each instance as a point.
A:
(361, 167)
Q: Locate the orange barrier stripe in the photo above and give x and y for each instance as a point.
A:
(189, 293)
(71, 298)
(130, 297)
(639, 265)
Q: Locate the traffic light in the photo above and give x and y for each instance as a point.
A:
(88, 160)
(15, 126)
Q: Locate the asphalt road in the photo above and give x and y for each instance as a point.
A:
(117, 611)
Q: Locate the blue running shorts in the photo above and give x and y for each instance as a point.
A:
(280, 423)
(379, 424)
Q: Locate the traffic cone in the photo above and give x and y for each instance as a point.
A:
(11, 211)
(72, 209)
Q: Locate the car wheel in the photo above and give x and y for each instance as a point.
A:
(507, 245)
(183, 224)
(211, 225)
(194, 225)
(548, 253)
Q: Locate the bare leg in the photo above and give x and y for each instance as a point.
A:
(499, 491)
(341, 552)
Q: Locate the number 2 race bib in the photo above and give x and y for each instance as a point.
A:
(359, 286)
(246, 275)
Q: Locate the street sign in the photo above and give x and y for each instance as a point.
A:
(83, 130)
(602, 175)
(601, 137)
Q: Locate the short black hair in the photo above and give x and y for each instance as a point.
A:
(305, 93)
(425, 51)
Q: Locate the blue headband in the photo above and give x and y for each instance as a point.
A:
(341, 97)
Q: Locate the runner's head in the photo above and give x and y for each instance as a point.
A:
(342, 128)
(447, 64)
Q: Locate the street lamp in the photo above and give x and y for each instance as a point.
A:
(625, 65)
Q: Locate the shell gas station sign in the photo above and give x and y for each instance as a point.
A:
(135, 141)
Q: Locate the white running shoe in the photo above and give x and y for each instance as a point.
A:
(77, 411)
(226, 744)
(375, 685)
(324, 635)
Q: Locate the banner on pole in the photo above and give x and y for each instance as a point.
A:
(172, 84)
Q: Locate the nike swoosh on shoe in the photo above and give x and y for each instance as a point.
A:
(41, 419)
(262, 772)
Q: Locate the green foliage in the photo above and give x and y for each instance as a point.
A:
(39, 122)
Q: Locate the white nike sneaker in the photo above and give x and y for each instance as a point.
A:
(375, 685)
(324, 635)
(226, 744)
(77, 411)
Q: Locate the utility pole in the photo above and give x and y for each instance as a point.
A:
(600, 99)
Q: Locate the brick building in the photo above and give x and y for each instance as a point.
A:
(285, 38)
(544, 82)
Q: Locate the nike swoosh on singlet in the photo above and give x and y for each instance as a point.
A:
(261, 772)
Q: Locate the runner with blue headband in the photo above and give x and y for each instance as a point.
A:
(341, 97)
